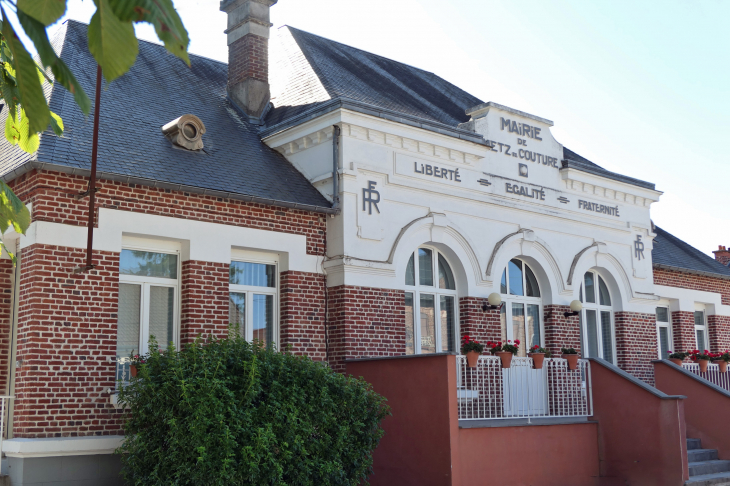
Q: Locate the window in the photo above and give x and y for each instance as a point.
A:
(663, 332)
(431, 303)
(597, 318)
(148, 301)
(701, 330)
(522, 306)
(253, 300)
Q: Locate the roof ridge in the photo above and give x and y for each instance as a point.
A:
(363, 50)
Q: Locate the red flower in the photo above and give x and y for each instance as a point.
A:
(517, 342)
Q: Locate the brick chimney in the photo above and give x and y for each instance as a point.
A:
(248, 54)
(722, 255)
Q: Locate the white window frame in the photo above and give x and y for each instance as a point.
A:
(598, 308)
(437, 292)
(250, 290)
(668, 326)
(703, 327)
(145, 283)
(508, 299)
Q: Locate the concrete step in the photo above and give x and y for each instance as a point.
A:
(717, 479)
(708, 467)
(694, 444)
(701, 455)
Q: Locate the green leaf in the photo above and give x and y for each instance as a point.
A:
(12, 211)
(37, 33)
(56, 124)
(112, 42)
(44, 11)
(9, 90)
(29, 140)
(26, 74)
(12, 129)
(163, 16)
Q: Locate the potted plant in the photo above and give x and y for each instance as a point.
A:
(538, 355)
(472, 349)
(505, 351)
(702, 358)
(571, 355)
(134, 363)
(722, 359)
(677, 357)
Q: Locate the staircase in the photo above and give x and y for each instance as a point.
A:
(705, 468)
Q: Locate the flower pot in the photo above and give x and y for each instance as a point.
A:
(133, 370)
(723, 366)
(472, 358)
(676, 361)
(537, 359)
(506, 358)
(703, 364)
(572, 361)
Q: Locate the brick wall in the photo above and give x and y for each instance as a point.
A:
(561, 331)
(302, 313)
(248, 57)
(66, 340)
(683, 331)
(636, 344)
(482, 326)
(204, 300)
(673, 278)
(719, 331)
(722, 255)
(365, 322)
(6, 314)
(52, 195)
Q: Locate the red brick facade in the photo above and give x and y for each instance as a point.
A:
(722, 255)
(719, 331)
(204, 300)
(561, 331)
(636, 344)
(365, 322)
(683, 331)
(6, 314)
(302, 314)
(52, 195)
(248, 57)
(66, 344)
(482, 325)
(673, 278)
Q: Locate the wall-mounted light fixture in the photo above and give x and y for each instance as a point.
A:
(575, 308)
(495, 302)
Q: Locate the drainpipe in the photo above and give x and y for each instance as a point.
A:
(336, 168)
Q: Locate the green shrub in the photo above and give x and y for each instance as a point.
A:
(225, 412)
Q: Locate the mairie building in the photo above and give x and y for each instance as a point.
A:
(368, 214)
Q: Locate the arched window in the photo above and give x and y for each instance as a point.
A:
(431, 303)
(597, 318)
(522, 306)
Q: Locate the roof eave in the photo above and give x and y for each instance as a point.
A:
(35, 164)
(372, 110)
(576, 165)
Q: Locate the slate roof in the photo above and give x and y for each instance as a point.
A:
(672, 253)
(309, 71)
(571, 160)
(158, 89)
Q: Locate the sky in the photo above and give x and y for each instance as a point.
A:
(636, 87)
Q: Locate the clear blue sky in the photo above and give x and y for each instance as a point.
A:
(640, 88)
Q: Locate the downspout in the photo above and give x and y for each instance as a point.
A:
(336, 169)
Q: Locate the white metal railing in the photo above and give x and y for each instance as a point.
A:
(712, 374)
(4, 399)
(490, 392)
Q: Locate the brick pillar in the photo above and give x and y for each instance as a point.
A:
(204, 300)
(65, 345)
(722, 255)
(365, 322)
(636, 344)
(719, 333)
(561, 331)
(302, 314)
(683, 331)
(482, 325)
(6, 314)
